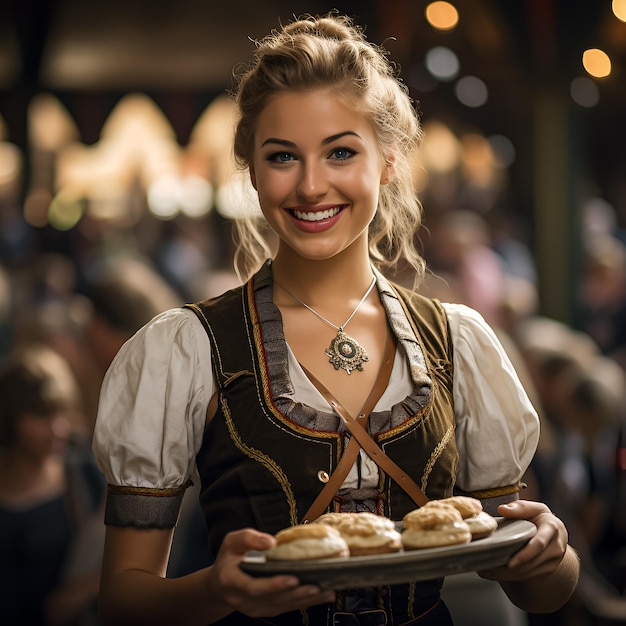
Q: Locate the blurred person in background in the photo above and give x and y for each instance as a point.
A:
(602, 297)
(125, 293)
(583, 397)
(51, 493)
(463, 266)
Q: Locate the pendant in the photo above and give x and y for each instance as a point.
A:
(346, 353)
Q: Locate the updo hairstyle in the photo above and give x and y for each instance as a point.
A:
(331, 52)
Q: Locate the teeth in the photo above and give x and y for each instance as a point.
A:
(316, 216)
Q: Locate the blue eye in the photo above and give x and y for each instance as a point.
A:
(342, 154)
(281, 157)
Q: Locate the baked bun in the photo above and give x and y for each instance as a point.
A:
(471, 509)
(365, 533)
(434, 526)
(481, 525)
(307, 541)
(465, 505)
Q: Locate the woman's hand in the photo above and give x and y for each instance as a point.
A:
(542, 576)
(543, 553)
(257, 597)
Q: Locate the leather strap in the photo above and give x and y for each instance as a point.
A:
(361, 439)
(353, 448)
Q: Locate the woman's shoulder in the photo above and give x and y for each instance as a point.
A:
(168, 329)
(466, 322)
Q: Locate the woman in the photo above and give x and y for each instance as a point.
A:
(327, 133)
(50, 495)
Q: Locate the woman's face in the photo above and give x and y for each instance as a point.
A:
(317, 169)
(39, 436)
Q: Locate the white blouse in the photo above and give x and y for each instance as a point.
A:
(155, 395)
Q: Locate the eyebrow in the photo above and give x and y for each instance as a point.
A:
(291, 144)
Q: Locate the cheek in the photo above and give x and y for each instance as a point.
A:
(273, 188)
(33, 435)
(361, 183)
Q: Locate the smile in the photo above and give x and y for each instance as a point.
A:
(316, 216)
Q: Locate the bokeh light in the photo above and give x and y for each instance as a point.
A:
(471, 91)
(619, 9)
(442, 63)
(65, 211)
(504, 152)
(584, 92)
(442, 15)
(597, 62)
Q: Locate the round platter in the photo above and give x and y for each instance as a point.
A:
(403, 566)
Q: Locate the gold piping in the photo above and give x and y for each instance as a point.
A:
(436, 453)
(499, 491)
(119, 490)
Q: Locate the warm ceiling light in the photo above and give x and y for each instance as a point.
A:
(441, 149)
(442, 15)
(619, 9)
(50, 126)
(597, 63)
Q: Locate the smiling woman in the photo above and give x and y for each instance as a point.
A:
(315, 166)
(282, 414)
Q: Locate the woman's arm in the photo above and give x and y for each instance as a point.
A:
(135, 591)
(542, 576)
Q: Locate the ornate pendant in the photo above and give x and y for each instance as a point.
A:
(346, 353)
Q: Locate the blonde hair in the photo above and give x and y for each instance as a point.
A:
(331, 52)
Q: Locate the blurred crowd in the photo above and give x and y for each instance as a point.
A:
(574, 373)
(68, 302)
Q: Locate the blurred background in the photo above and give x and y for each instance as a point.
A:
(117, 198)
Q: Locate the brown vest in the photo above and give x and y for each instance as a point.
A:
(263, 451)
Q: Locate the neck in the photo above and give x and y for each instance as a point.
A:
(323, 280)
(25, 481)
(28, 465)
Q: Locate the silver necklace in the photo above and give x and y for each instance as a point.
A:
(344, 352)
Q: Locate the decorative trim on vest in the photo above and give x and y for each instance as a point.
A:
(266, 461)
(437, 452)
(499, 491)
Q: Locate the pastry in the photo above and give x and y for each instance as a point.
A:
(307, 541)
(365, 533)
(434, 526)
(481, 525)
(471, 509)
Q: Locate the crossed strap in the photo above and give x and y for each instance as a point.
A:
(361, 440)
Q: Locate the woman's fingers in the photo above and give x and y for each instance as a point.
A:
(544, 551)
(264, 596)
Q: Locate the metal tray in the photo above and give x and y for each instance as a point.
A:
(404, 566)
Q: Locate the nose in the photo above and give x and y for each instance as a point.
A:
(60, 426)
(313, 181)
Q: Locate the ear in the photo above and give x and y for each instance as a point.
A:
(389, 169)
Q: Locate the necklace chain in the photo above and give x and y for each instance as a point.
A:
(339, 328)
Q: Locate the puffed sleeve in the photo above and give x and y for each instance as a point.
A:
(151, 417)
(497, 427)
